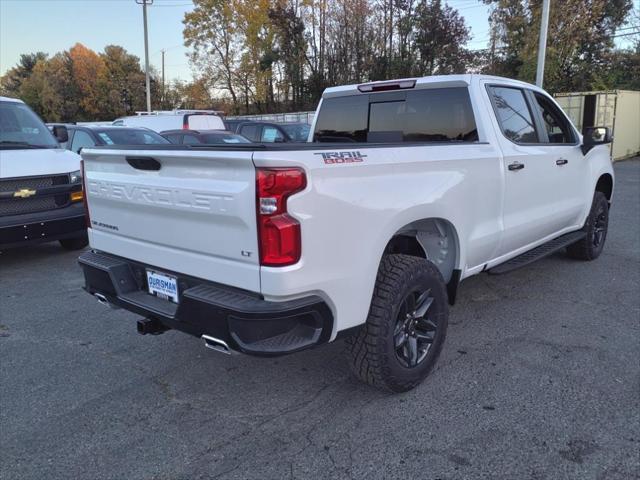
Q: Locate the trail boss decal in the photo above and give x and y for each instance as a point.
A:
(331, 158)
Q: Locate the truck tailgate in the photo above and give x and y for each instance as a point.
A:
(194, 214)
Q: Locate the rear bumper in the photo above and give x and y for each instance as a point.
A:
(243, 320)
(47, 226)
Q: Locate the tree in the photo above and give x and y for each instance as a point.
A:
(211, 31)
(350, 46)
(290, 50)
(581, 39)
(257, 58)
(52, 91)
(440, 35)
(509, 29)
(623, 69)
(90, 76)
(13, 79)
(79, 84)
(124, 83)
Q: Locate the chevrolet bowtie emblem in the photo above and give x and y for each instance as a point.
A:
(24, 193)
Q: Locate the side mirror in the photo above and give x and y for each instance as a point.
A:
(61, 133)
(594, 136)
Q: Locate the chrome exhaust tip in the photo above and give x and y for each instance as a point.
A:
(216, 344)
(102, 300)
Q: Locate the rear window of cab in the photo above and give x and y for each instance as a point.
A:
(422, 115)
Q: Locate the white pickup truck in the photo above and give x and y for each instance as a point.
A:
(405, 188)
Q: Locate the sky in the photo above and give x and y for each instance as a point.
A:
(28, 26)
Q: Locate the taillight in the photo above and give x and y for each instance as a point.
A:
(84, 197)
(278, 232)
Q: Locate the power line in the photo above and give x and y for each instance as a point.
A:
(166, 49)
(174, 5)
(626, 34)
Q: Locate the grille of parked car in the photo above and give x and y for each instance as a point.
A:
(17, 205)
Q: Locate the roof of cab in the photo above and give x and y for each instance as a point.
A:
(463, 80)
(196, 132)
(8, 99)
(111, 127)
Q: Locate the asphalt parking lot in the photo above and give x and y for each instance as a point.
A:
(539, 378)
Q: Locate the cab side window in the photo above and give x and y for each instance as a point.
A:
(190, 140)
(174, 138)
(555, 123)
(81, 140)
(271, 134)
(251, 132)
(67, 144)
(513, 114)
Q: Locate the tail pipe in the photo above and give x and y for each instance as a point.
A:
(216, 344)
(102, 300)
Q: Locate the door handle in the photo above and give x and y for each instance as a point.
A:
(516, 166)
(562, 161)
(144, 163)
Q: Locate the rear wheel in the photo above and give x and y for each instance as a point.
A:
(596, 227)
(406, 327)
(74, 243)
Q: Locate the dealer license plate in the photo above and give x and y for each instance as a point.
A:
(162, 285)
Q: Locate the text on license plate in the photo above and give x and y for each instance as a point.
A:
(162, 285)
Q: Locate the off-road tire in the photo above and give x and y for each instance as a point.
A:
(587, 248)
(372, 350)
(74, 243)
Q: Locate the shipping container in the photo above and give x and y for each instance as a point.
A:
(617, 109)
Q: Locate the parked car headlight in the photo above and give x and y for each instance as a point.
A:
(75, 177)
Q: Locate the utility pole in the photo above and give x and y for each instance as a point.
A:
(542, 45)
(492, 51)
(163, 50)
(144, 4)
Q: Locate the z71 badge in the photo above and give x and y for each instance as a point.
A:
(331, 158)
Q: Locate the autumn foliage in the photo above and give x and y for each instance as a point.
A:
(264, 56)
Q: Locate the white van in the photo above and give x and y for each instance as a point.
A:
(174, 120)
(41, 197)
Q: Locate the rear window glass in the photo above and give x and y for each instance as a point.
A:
(131, 137)
(205, 122)
(426, 115)
(219, 138)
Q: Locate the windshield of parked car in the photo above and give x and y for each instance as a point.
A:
(298, 132)
(130, 136)
(218, 138)
(21, 128)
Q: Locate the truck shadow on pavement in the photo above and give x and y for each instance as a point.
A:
(26, 256)
(515, 343)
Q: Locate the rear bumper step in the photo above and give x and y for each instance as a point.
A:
(537, 253)
(243, 321)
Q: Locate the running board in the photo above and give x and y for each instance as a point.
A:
(538, 253)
